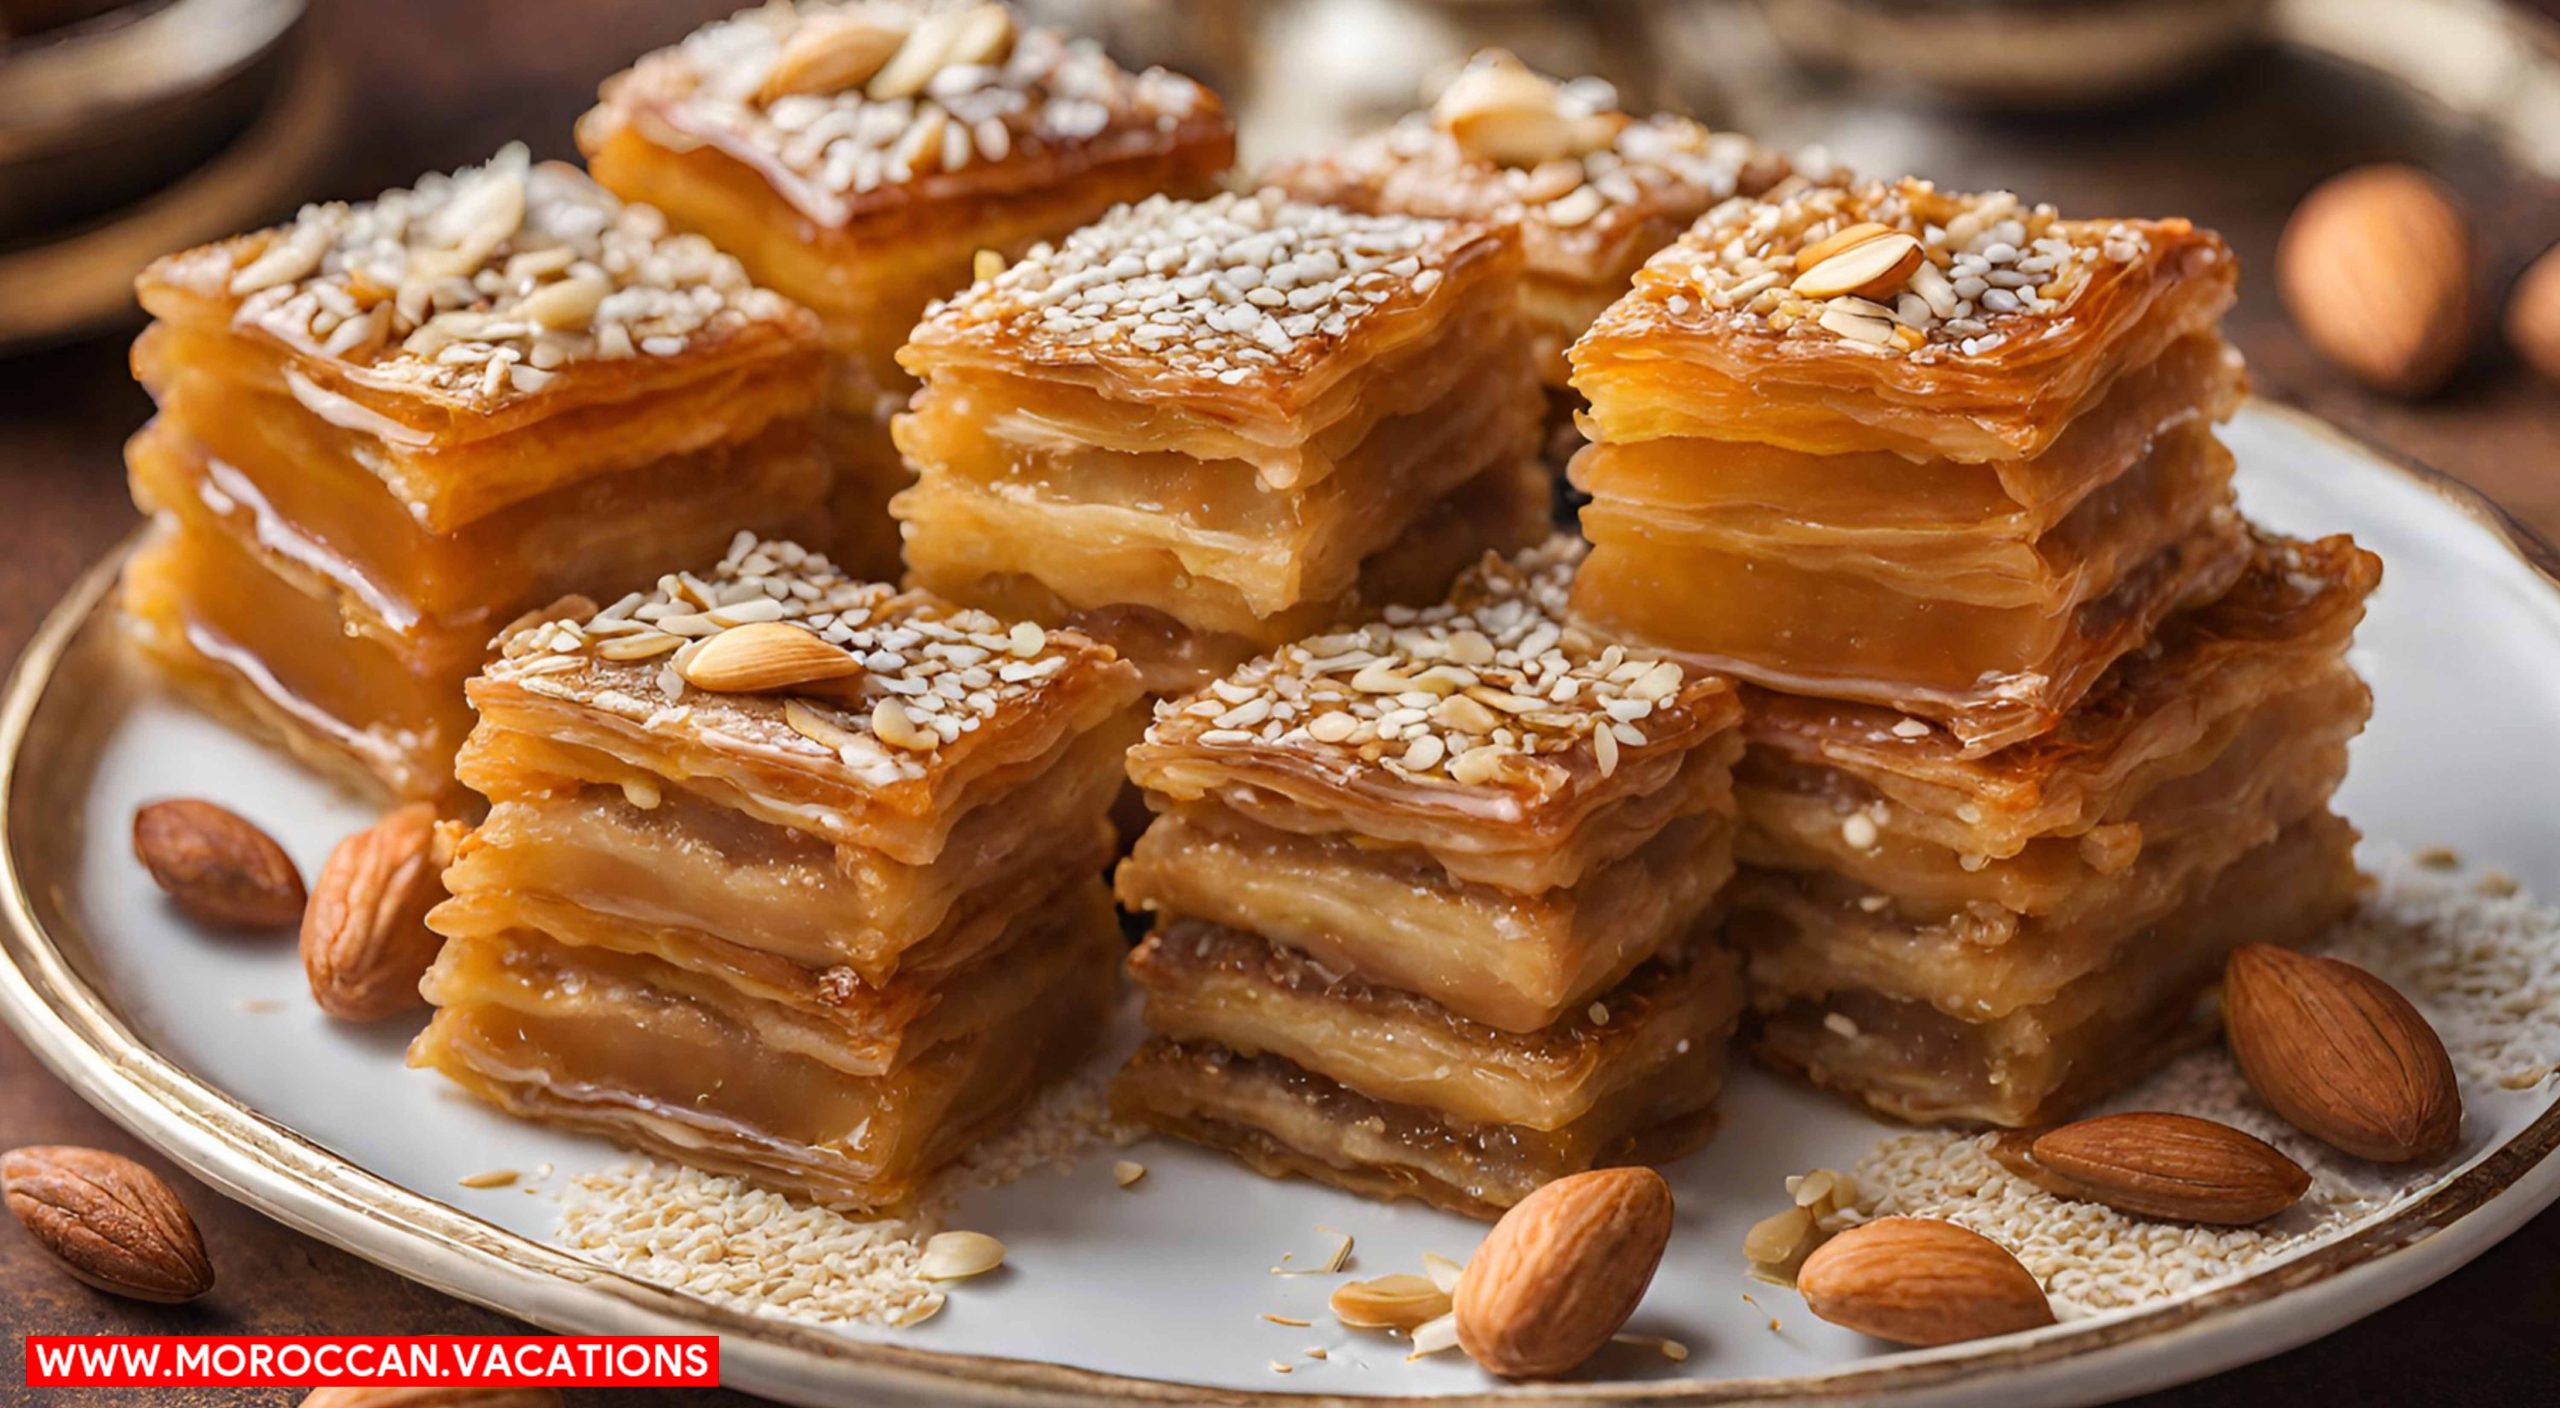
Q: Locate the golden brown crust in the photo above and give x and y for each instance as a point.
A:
(1241, 308)
(487, 298)
(2002, 324)
(904, 111)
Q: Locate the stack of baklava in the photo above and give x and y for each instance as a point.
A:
(784, 874)
(860, 157)
(387, 429)
(2041, 729)
(1203, 429)
(1593, 189)
(1431, 901)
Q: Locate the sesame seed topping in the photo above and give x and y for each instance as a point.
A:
(1235, 290)
(482, 284)
(923, 676)
(1888, 269)
(1493, 688)
(844, 105)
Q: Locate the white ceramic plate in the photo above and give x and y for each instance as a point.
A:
(208, 1048)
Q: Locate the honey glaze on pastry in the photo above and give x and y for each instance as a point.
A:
(1225, 413)
(389, 427)
(1469, 831)
(785, 873)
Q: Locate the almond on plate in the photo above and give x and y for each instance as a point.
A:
(2160, 1165)
(1562, 1271)
(1920, 1281)
(217, 866)
(2341, 1055)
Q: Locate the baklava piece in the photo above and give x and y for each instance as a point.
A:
(1594, 190)
(1205, 429)
(1432, 900)
(387, 429)
(2001, 939)
(784, 874)
(859, 157)
(1948, 453)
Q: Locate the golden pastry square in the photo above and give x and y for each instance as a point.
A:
(2037, 1063)
(388, 428)
(773, 1079)
(1217, 410)
(1840, 315)
(1594, 189)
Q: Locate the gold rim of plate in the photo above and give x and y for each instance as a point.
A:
(74, 1030)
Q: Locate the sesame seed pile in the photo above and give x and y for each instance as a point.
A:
(735, 1244)
(485, 282)
(1235, 289)
(1493, 688)
(944, 85)
(1988, 263)
(2482, 962)
(929, 673)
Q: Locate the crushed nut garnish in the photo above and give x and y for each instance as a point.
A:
(1127, 1172)
(1434, 1337)
(957, 1256)
(1333, 1262)
(491, 1178)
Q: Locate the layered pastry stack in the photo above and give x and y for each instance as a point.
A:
(1431, 901)
(860, 156)
(387, 429)
(1203, 429)
(1593, 189)
(1932, 471)
(784, 874)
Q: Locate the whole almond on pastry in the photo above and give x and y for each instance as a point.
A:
(108, 1220)
(2533, 315)
(2340, 1055)
(365, 940)
(1919, 1281)
(218, 867)
(2376, 267)
(765, 656)
(432, 1398)
(1561, 1272)
(2175, 1167)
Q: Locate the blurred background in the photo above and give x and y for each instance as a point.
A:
(2405, 305)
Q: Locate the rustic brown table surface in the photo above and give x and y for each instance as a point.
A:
(441, 82)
